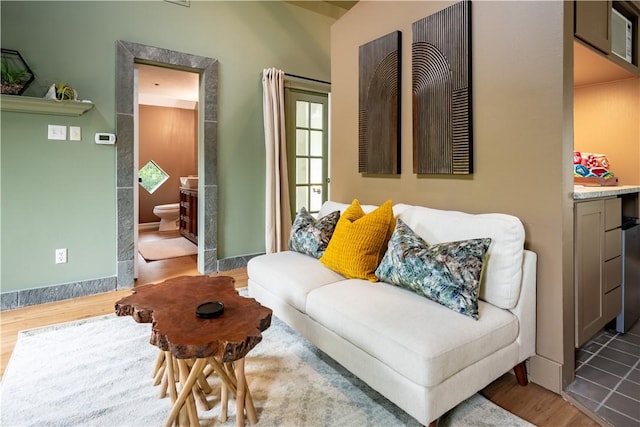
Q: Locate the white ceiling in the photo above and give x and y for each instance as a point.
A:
(167, 87)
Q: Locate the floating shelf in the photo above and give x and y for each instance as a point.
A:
(26, 104)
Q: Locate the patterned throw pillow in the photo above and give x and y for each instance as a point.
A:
(310, 236)
(357, 244)
(448, 273)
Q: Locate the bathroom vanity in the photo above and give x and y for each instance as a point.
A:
(189, 213)
(599, 257)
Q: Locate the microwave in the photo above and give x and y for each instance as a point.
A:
(621, 35)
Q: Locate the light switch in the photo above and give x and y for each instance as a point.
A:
(57, 132)
(75, 133)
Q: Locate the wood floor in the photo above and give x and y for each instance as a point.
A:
(532, 403)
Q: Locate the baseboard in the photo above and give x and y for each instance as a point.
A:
(149, 226)
(546, 373)
(27, 297)
(233, 263)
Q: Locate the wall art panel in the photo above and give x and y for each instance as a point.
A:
(379, 106)
(441, 90)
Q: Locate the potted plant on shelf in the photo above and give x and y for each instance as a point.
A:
(62, 92)
(16, 74)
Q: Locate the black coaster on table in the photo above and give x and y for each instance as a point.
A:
(210, 310)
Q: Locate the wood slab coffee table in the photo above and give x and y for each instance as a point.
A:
(194, 347)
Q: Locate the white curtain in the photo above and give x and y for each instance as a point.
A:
(277, 205)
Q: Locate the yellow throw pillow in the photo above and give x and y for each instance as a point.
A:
(358, 242)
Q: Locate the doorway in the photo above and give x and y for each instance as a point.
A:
(128, 55)
(307, 128)
(165, 150)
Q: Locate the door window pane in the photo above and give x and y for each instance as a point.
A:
(316, 171)
(302, 114)
(316, 143)
(302, 142)
(302, 171)
(316, 115)
(302, 199)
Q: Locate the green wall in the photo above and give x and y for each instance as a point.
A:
(61, 194)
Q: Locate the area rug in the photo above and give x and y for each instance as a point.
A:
(154, 250)
(97, 372)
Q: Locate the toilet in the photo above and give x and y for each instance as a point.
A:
(169, 215)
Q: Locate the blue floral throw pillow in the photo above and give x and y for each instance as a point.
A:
(310, 236)
(448, 273)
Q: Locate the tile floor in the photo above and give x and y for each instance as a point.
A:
(608, 377)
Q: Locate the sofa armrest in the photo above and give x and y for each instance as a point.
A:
(525, 310)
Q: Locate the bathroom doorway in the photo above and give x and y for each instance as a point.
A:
(127, 56)
(165, 152)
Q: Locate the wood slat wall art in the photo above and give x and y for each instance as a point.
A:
(441, 90)
(379, 106)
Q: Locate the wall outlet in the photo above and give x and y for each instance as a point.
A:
(61, 256)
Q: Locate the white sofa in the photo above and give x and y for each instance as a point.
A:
(420, 355)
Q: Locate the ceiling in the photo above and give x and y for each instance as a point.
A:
(343, 4)
(332, 9)
(167, 87)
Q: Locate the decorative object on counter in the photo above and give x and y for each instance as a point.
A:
(62, 92)
(190, 182)
(441, 90)
(592, 169)
(16, 74)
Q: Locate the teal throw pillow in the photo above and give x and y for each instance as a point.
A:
(448, 273)
(310, 236)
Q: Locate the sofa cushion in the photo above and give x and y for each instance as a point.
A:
(357, 244)
(419, 338)
(310, 236)
(290, 275)
(502, 275)
(447, 273)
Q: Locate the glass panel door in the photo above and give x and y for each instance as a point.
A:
(307, 141)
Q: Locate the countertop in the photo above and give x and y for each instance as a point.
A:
(581, 192)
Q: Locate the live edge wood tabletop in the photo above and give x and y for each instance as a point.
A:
(196, 343)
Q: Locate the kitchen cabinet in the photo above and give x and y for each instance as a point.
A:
(592, 23)
(189, 213)
(598, 266)
(593, 28)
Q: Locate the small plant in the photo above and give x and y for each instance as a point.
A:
(12, 80)
(65, 92)
(61, 91)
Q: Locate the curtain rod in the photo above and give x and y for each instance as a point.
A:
(306, 78)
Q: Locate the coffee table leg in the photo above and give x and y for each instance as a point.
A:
(224, 393)
(190, 401)
(158, 370)
(242, 391)
(198, 366)
(243, 398)
(171, 376)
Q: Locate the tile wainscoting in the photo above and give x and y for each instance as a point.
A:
(26, 297)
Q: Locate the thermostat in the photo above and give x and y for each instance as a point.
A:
(105, 138)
